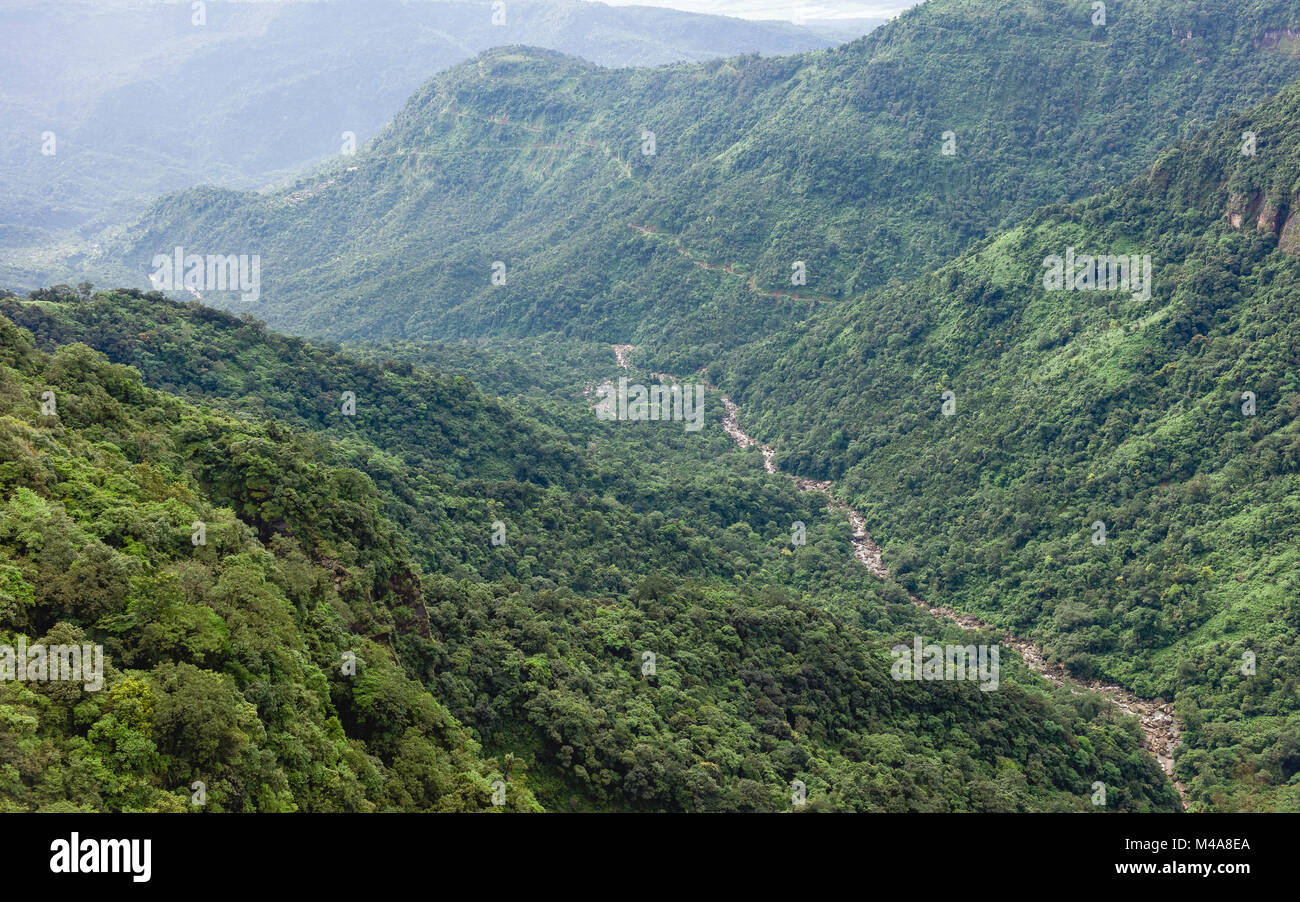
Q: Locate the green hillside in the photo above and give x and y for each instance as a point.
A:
(834, 159)
(1057, 372)
(224, 657)
(1079, 407)
(146, 97)
(772, 661)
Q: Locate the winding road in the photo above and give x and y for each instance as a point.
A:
(730, 269)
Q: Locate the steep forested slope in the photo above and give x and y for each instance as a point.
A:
(834, 159)
(224, 654)
(1168, 419)
(771, 662)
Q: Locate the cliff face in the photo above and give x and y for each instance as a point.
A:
(1242, 207)
(1289, 238)
(1281, 219)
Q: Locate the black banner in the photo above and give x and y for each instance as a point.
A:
(365, 852)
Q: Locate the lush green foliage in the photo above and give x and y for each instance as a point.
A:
(224, 660)
(772, 661)
(142, 101)
(833, 158)
(374, 530)
(1085, 406)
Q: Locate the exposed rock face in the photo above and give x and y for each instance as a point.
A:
(1269, 216)
(1289, 240)
(1242, 207)
(1281, 219)
(1273, 37)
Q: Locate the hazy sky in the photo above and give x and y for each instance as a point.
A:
(783, 9)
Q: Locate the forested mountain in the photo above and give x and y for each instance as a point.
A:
(1046, 346)
(148, 97)
(328, 532)
(224, 649)
(1169, 418)
(833, 159)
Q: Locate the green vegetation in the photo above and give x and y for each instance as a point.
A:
(833, 158)
(771, 662)
(224, 659)
(1080, 406)
(1074, 411)
(141, 101)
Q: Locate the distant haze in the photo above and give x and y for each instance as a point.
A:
(139, 100)
(782, 9)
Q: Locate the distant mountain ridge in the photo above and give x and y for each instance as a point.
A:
(831, 166)
(141, 100)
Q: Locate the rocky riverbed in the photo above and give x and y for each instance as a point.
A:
(1161, 729)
